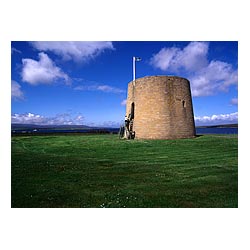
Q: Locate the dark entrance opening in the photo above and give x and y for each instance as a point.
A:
(183, 104)
(132, 112)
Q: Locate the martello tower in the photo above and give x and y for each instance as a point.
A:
(160, 107)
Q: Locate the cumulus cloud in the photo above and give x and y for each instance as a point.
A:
(217, 76)
(192, 57)
(165, 58)
(27, 118)
(216, 119)
(206, 78)
(43, 71)
(59, 119)
(16, 92)
(77, 51)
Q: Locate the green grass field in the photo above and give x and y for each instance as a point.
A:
(103, 171)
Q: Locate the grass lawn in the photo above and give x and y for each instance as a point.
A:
(103, 171)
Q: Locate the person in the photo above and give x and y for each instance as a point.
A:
(126, 122)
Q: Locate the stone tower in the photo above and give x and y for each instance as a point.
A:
(160, 107)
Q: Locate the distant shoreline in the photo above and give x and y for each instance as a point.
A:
(15, 126)
(29, 129)
(235, 125)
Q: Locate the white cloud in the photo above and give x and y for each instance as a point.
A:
(165, 59)
(102, 88)
(27, 118)
(87, 85)
(109, 89)
(77, 51)
(234, 101)
(217, 76)
(124, 102)
(43, 71)
(59, 119)
(192, 57)
(206, 78)
(16, 92)
(217, 119)
(14, 50)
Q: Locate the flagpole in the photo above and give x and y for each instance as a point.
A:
(133, 68)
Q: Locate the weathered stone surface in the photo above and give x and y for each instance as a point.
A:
(162, 107)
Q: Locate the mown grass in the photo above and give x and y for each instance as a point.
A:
(103, 171)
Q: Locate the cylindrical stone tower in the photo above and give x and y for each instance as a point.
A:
(160, 107)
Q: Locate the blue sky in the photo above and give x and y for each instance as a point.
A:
(86, 82)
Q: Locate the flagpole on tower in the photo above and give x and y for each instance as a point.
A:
(135, 59)
(133, 68)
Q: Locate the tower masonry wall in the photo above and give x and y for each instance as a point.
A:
(162, 107)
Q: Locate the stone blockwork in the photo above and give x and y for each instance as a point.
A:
(162, 107)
